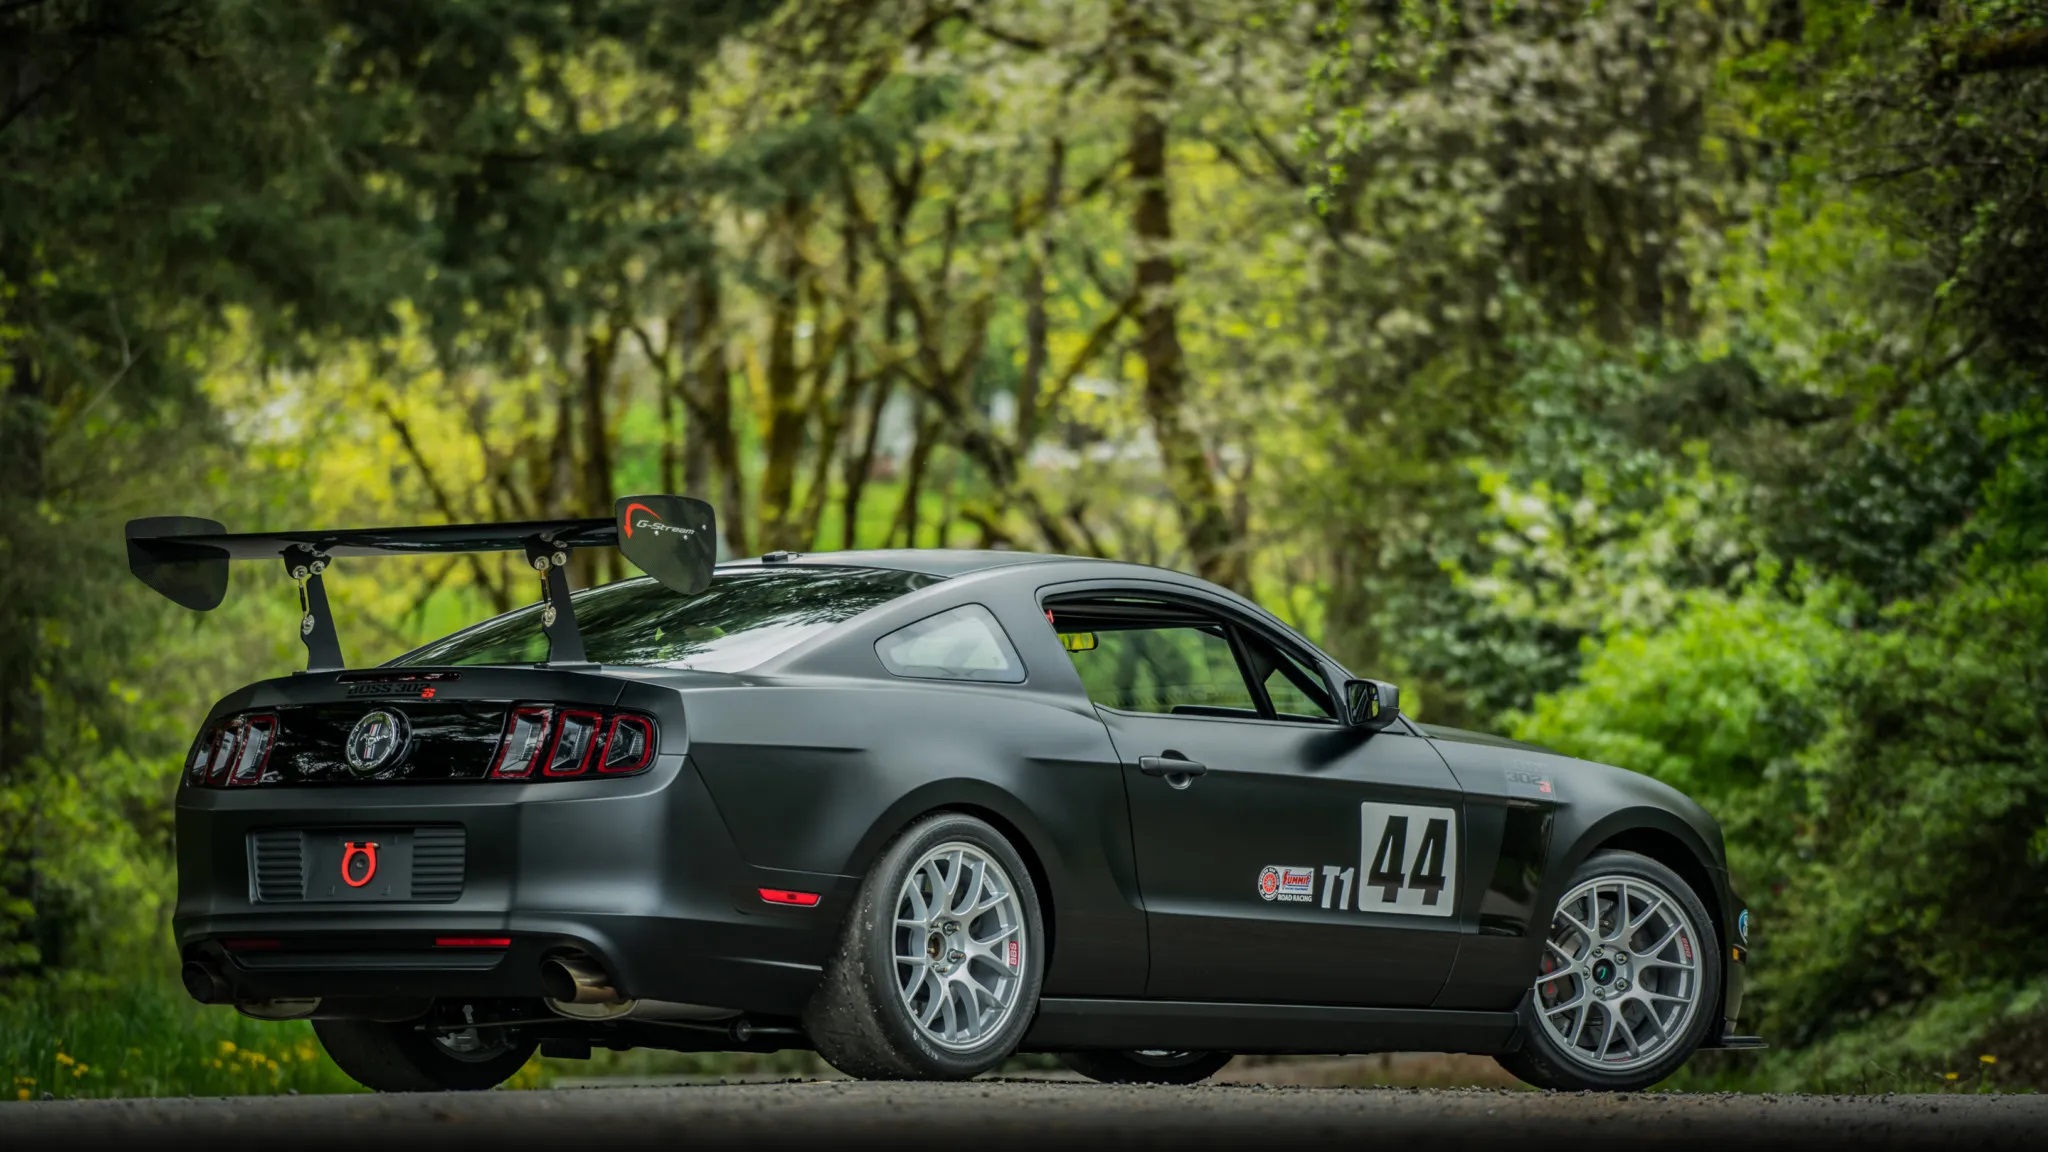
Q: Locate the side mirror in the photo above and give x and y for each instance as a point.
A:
(1370, 704)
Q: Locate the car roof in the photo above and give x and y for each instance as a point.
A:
(942, 562)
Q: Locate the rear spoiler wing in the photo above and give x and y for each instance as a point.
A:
(671, 538)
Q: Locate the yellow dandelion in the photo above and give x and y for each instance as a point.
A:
(1987, 1059)
(1948, 1075)
(24, 1079)
(227, 1047)
(65, 1060)
(21, 1093)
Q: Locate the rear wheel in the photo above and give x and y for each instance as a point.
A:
(1146, 1067)
(1627, 985)
(938, 968)
(401, 1058)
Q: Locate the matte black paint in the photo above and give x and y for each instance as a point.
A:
(797, 773)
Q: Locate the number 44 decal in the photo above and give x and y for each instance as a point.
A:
(1409, 861)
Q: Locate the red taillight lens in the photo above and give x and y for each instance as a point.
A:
(202, 753)
(519, 750)
(628, 745)
(226, 743)
(566, 744)
(472, 941)
(258, 736)
(785, 896)
(575, 739)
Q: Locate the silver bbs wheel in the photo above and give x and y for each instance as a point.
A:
(1621, 973)
(959, 945)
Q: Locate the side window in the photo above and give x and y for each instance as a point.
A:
(964, 643)
(1296, 691)
(1187, 669)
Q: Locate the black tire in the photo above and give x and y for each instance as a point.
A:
(400, 1058)
(857, 1018)
(1146, 1067)
(1542, 1062)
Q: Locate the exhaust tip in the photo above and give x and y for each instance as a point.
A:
(576, 980)
(203, 983)
(555, 981)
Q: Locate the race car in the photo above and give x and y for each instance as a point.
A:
(916, 811)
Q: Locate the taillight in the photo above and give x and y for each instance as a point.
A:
(628, 745)
(544, 743)
(202, 752)
(225, 744)
(519, 749)
(259, 733)
(575, 739)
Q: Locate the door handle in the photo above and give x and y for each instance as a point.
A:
(1170, 765)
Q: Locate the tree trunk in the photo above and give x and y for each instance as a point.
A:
(783, 438)
(1205, 524)
(913, 478)
(712, 434)
(1036, 325)
(861, 461)
(600, 352)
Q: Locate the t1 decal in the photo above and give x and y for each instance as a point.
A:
(1410, 860)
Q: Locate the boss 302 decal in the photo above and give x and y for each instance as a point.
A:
(1409, 866)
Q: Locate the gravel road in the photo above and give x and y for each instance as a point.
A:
(995, 1114)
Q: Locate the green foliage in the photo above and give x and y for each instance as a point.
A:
(1884, 791)
(1660, 381)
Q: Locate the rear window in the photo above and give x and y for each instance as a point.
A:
(746, 616)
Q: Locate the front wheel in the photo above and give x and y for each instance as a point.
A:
(401, 1058)
(1627, 985)
(1146, 1067)
(938, 967)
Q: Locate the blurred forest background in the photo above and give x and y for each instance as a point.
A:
(1665, 381)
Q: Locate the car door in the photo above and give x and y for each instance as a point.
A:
(1281, 855)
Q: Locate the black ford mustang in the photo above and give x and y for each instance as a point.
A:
(916, 810)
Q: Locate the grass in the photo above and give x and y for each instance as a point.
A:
(152, 1040)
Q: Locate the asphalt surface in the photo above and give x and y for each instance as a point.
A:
(993, 1114)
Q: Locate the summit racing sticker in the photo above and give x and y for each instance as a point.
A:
(1286, 884)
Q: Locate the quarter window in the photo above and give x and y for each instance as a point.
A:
(964, 643)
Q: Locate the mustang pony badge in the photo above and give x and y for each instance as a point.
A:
(375, 741)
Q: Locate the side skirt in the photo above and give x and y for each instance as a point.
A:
(1068, 1024)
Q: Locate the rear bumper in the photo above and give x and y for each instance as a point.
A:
(639, 874)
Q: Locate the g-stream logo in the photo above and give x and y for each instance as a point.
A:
(649, 522)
